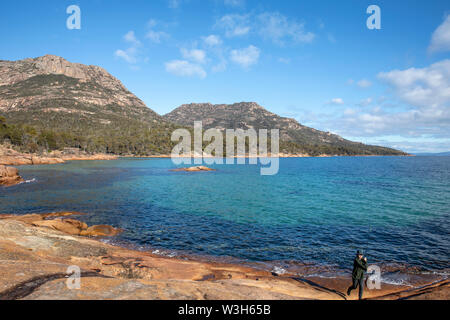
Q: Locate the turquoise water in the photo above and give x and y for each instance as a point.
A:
(316, 210)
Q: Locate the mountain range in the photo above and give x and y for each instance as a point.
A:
(49, 103)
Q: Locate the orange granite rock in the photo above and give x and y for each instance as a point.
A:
(34, 262)
(194, 169)
(9, 176)
(100, 231)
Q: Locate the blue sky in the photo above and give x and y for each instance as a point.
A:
(315, 61)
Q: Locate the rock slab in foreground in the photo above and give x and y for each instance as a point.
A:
(34, 262)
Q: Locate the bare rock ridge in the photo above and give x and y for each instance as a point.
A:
(93, 84)
(244, 115)
(15, 71)
(250, 115)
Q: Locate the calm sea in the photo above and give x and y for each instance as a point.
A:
(316, 211)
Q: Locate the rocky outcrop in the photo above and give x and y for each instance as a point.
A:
(9, 176)
(100, 231)
(11, 157)
(66, 225)
(194, 169)
(35, 81)
(12, 72)
(294, 137)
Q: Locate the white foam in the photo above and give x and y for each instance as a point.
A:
(396, 282)
(278, 270)
(29, 181)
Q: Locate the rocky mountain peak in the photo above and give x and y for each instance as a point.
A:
(51, 84)
(12, 72)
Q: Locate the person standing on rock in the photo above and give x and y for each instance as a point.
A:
(359, 269)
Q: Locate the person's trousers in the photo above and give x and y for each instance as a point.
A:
(356, 283)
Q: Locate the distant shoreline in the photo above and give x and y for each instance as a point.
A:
(269, 156)
(11, 157)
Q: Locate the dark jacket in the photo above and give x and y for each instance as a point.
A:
(359, 268)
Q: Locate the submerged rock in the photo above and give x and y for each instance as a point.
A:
(194, 169)
(100, 231)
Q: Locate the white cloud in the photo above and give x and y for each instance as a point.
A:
(174, 4)
(245, 57)
(220, 67)
(130, 55)
(279, 29)
(284, 60)
(427, 87)
(152, 23)
(235, 25)
(337, 101)
(156, 36)
(331, 38)
(131, 38)
(415, 116)
(415, 145)
(185, 68)
(269, 25)
(350, 111)
(195, 55)
(440, 40)
(234, 3)
(365, 102)
(212, 40)
(420, 109)
(364, 83)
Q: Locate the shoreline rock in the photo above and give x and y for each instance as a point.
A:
(11, 157)
(9, 176)
(193, 169)
(70, 226)
(29, 252)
